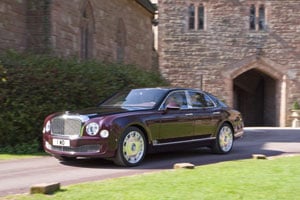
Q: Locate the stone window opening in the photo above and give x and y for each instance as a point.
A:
(252, 17)
(261, 18)
(192, 17)
(84, 15)
(257, 17)
(201, 17)
(86, 32)
(121, 41)
(196, 14)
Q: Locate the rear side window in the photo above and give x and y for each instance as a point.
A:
(200, 100)
(218, 101)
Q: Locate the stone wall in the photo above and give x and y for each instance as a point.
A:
(114, 30)
(212, 58)
(66, 21)
(12, 25)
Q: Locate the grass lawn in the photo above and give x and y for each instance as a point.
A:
(245, 179)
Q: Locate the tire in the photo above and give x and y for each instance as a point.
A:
(224, 140)
(131, 148)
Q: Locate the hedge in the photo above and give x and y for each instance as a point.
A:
(33, 86)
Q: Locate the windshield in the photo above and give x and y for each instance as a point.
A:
(137, 98)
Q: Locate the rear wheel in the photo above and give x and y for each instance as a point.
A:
(131, 148)
(224, 140)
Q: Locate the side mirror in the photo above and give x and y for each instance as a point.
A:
(172, 107)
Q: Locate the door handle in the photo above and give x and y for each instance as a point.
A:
(189, 114)
(216, 113)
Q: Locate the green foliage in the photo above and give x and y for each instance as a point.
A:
(22, 148)
(296, 106)
(33, 86)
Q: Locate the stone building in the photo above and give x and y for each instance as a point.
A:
(108, 30)
(246, 52)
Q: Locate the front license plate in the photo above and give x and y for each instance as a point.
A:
(61, 142)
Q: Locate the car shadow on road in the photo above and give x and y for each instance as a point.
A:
(166, 160)
(256, 141)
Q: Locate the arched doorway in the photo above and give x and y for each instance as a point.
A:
(255, 97)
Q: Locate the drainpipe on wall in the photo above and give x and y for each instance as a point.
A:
(283, 110)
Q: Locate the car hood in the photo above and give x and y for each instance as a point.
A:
(101, 111)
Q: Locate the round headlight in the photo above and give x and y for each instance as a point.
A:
(104, 133)
(92, 128)
(47, 127)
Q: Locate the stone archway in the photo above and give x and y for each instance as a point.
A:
(255, 96)
(258, 90)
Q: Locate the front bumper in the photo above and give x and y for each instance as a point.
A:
(239, 134)
(77, 147)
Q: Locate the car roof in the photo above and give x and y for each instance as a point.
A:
(172, 88)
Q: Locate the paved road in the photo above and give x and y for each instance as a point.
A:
(18, 175)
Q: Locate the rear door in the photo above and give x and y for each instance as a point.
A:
(205, 114)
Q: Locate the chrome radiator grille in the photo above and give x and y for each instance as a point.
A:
(66, 126)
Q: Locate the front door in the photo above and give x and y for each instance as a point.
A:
(176, 122)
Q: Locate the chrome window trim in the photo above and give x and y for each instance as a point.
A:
(188, 99)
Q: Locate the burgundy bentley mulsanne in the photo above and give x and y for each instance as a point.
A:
(128, 125)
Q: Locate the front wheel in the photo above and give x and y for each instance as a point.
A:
(224, 140)
(131, 148)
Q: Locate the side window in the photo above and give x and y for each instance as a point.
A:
(209, 102)
(200, 100)
(217, 101)
(176, 99)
